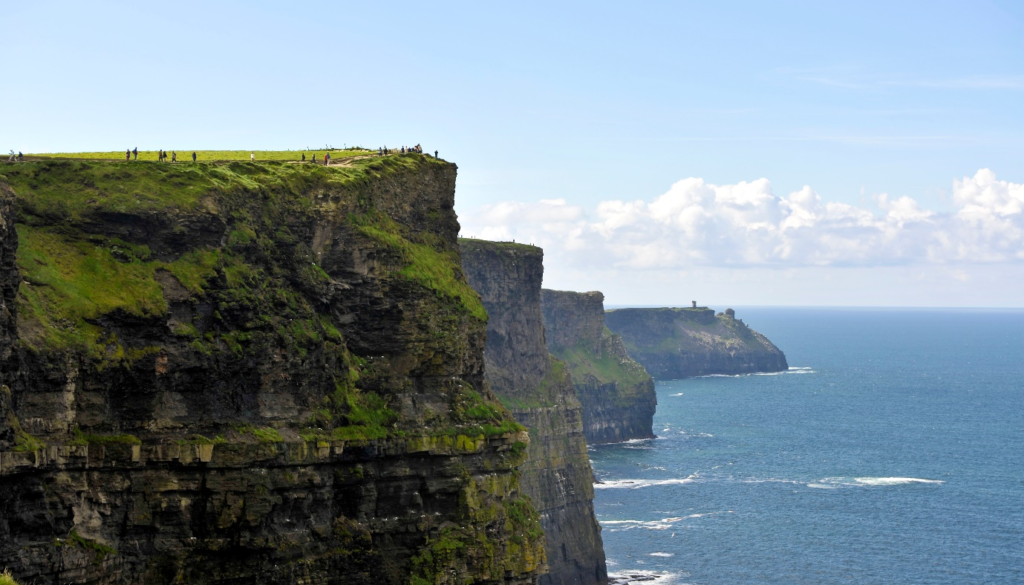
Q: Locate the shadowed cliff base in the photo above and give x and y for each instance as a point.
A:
(249, 373)
(540, 392)
(616, 392)
(674, 343)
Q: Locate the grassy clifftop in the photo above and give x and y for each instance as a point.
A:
(94, 237)
(210, 155)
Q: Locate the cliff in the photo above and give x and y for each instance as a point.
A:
(682, 343)
(616, 392)
(540, 393)
(249, 373)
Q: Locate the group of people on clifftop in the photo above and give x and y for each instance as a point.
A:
(384, 151)
(161, 155)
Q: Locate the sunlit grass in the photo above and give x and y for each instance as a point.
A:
(185, 155)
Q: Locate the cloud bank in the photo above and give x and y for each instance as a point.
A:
(698, 224)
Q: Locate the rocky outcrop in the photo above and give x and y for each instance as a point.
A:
(616, 392)
(682, 343)
(250, 373)
(539, 391)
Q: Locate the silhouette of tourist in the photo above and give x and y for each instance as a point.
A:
(135, 153)
(127, 155)
(174, 157)
(327, 159)
(303, 157)
(252, 157)
(193, 157)
(435, 154)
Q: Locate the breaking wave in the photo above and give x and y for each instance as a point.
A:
(645, 577)
(633, 484)
(831, 483)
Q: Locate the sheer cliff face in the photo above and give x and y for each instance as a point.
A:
(616, 392)
(539, 391)
(250, 373)
(682, 343)
(9, 281)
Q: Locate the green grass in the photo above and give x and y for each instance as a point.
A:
(80, 438)
(7, 579)
(101, 551)
(425, 264)
(473, 244)
(261, 434)
(26, 443)
(210, 155)
(58, 190)
(606, 368)
(69, 284)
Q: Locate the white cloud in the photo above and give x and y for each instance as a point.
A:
(745, 224)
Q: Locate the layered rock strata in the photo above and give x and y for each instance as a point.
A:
(250, 373)
(616, 392)
(539, 391)
(681, 343)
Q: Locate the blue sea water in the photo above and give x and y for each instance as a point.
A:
(891, 452)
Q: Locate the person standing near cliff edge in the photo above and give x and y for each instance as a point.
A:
(252, 156)
(327, 159)
(193, 156)
(435, 154)
(127, 155)
(135, 153)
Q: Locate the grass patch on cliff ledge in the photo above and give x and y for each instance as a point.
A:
(68, 285)
(606, 368)
(427, 263)
(7, 579)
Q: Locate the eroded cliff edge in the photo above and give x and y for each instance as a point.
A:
(674, 343)
(616, 392)
(249, 373)
(539, 391)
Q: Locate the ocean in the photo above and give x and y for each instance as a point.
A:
(891, 452)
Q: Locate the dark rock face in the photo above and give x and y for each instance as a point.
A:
(299, 399)
(539, 391)
(9, 281)
(682, 343)
(616, 392)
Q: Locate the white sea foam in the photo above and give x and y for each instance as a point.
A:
(635, 441)
(680, 394)
(642, 577)
(893, 480)
(831, 483)
(791, 370)
(620, 525)
(633, 484)
(662, 554)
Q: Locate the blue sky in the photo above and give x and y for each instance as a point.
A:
(591, 103)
